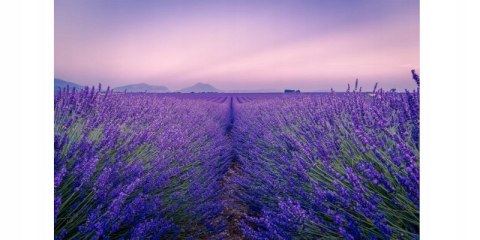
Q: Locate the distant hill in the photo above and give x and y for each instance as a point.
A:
(200, 87)
(61, 84)
(142, 87)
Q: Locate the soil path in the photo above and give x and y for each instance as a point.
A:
(234, 209)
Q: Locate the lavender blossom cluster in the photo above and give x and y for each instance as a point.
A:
(297, 166)
(331, 166)
(137, 166)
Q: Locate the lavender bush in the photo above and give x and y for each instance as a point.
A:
(264, 166)
(137, 165)
(330, 166)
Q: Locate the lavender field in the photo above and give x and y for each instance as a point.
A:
(236, 166)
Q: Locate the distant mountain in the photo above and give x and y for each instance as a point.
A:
(142, 87)
(61, 84)
(200, 87)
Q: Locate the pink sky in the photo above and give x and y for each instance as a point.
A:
(243, 46)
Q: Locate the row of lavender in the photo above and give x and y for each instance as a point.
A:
(330, 166)
(138, 166)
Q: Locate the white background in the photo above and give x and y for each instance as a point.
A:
(450, 103)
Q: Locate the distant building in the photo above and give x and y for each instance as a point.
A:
(291, 91)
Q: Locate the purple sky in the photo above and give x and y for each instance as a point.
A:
(309, 45)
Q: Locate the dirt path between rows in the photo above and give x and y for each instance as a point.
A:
(234, 210)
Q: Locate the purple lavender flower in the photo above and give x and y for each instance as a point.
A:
(416, 77)
(139, 166)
